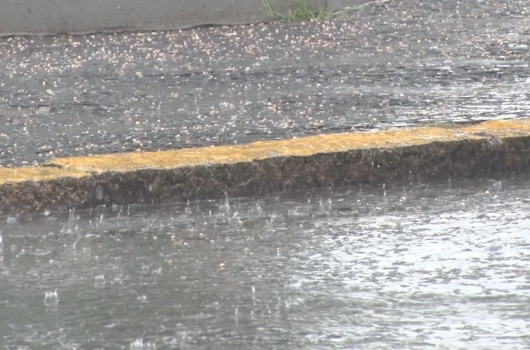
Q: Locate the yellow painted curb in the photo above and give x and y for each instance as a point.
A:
(77, 167)
(22, 174)
(304, 146)
(391, 157)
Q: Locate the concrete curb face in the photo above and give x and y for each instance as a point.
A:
(385, 157)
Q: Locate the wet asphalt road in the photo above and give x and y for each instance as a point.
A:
(392, 64)
(431, 266)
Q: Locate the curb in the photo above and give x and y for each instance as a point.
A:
(391, 157)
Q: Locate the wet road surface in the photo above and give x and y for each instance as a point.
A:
(434, 266)
(392, 64)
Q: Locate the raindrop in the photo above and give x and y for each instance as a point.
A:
(259, 209)
(71, 215)
(99, 193)
(137, 344)
(51, 298)
(99, 281)
(11, 220)
(497, 185)
(99, 278)
(226, 205)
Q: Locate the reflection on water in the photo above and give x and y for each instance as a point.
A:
(410, 268)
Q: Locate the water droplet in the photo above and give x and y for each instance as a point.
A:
(51, 298)
(11, 220)
(137, 344)
(227, 202)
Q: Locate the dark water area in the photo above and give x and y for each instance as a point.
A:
(391, 64)
(441, 266)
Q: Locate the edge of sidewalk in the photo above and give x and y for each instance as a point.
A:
(391, 157)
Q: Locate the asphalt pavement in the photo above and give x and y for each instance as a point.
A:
(391, 64)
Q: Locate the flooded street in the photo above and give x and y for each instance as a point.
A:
(433, 266)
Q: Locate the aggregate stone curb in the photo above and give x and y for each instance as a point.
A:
(391, 157)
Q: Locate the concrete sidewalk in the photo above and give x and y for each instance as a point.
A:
(391, 65)
(78, 16)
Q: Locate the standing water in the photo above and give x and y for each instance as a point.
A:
(432, 266)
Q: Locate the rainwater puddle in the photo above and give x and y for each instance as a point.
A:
(432, 266)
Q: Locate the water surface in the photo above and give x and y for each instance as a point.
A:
(431, 266)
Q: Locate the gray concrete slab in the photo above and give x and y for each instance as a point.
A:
(391, 64)
(77, 16)
(66, 16)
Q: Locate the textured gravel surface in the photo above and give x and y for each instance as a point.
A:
(392, 64)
